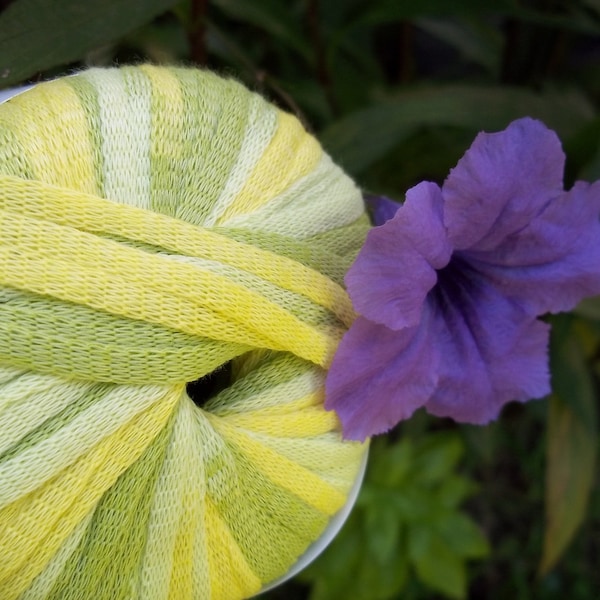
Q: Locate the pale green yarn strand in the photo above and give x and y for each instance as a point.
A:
(69, 434)
(293, 210)
(218, 120)
(138, 353)
(88, 94)
(11, 153)
(168, 513)
(22, 409)
(43, 585)
(125, 128)
(260, 128)
(113, 483)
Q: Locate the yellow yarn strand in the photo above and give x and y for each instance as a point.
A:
(62, 154)
(38, 257)
(96, 215)
(291, 154)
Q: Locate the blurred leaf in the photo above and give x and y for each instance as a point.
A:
(571, 380)
(37, 35)
(329, 573)
(570, 17)
(428, 154)
(581, 148)
(346, 569)
(164, 42)
(463, 536)
(274, 17)
(455, 489)
(403, 521)
(363, 137)
(414, 503)
(588, 334)
(483, 46)
(569, 477)
(593, 4)
(383, 526)
(591, 171)
(572, 441)
(390, 463)
(436, 564)
(437, 456)
(589, 308)
(394, 10)
(573, 19)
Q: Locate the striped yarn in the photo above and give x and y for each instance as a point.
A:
(155, 225)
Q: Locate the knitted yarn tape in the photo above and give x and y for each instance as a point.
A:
(155, 225)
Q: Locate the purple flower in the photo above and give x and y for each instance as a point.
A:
(449, 289)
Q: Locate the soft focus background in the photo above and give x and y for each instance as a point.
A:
(396, 90)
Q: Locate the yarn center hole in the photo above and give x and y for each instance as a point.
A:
(208, 386)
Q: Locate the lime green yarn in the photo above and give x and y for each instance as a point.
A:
(155, 225)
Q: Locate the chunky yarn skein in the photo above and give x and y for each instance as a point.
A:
(157, 226)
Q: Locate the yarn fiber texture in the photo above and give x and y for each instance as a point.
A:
(158, 225)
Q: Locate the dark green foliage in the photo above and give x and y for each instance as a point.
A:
(39, 34)
(406, 523)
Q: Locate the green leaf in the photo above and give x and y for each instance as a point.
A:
(347, 569)
(361, 138)
(481, 45)
(582, 149)
(462, 535)
(593, 4)
(591, 171)
(37, 35)
(397, 10)
(571, 457)
(274, 17)
(383, 532)
(575, 20)
(408, 519)
(454, 490)
(571, 380)
(436, 456)
(428, 154)
(589, 308)
(414, 503)
(572, 437)
(436, 564)
(329, 573)
(390, 463)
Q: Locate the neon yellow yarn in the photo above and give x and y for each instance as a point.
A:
(155, 224)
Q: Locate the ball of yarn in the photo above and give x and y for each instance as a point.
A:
(172, 253)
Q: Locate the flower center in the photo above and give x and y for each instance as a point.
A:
(455, 285)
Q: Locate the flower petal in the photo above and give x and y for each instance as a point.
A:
(491, 351)
(397, 265)
(382, 208)
(379, 376)
(501, 183)
(554, 262)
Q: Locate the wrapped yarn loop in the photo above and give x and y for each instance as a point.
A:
(155, 225)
